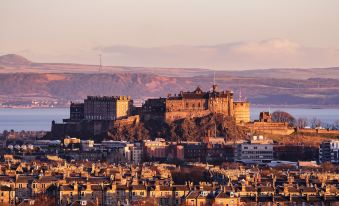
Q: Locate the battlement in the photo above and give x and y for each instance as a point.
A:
(198, 103)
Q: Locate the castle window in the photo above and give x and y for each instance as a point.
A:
(186, 105)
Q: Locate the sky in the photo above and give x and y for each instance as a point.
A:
(218, 34)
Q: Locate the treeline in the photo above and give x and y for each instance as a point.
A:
(282, 116)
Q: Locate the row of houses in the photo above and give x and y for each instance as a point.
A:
(153, 184)
(258, 150)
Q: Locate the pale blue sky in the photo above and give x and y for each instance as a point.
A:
(73, 30)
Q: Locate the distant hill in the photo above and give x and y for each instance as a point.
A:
(14, 60)
(11, 63)
(74, 86)
(288, 73)
(23, 81)
(14, 63)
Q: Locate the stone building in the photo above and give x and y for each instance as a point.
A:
(107, 107)
(156, 150)
(77, 111)
(242, 112)
(196, 104)
(265, 125)
(7, 195)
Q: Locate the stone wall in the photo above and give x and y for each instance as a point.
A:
(127, 121)
(172, 116)
(278, 128)
(319, 131)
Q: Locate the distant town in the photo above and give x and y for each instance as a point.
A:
(192, 148)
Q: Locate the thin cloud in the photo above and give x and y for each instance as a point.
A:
(272, 53)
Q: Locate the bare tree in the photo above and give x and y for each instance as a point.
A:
(336, 124)
(281, 116)
(302, 122)
(315, 123)
(328, 166)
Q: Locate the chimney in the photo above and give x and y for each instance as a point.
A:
(75, 186)
(113, 186)
(307, 181)
(243, 187)
(285, 189)
(88, 185)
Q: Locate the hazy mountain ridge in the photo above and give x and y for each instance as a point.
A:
(332, 72)
(13, 63)
(65, 87)
(25, 81)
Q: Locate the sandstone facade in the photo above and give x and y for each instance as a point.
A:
(196, 104)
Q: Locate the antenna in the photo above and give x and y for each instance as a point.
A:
(214, 78)
(100, 65)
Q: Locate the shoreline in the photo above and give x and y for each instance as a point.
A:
(267, 106)
(34, 108)
(296, 106)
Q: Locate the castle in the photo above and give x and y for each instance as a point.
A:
(196, 104)
(96, 115)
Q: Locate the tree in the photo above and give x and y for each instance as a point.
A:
(328, 166)
(302, 122)
(281, 116)
(315, 123)
(336, 125)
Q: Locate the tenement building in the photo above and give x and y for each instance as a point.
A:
(196, 104)
(107, 107)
